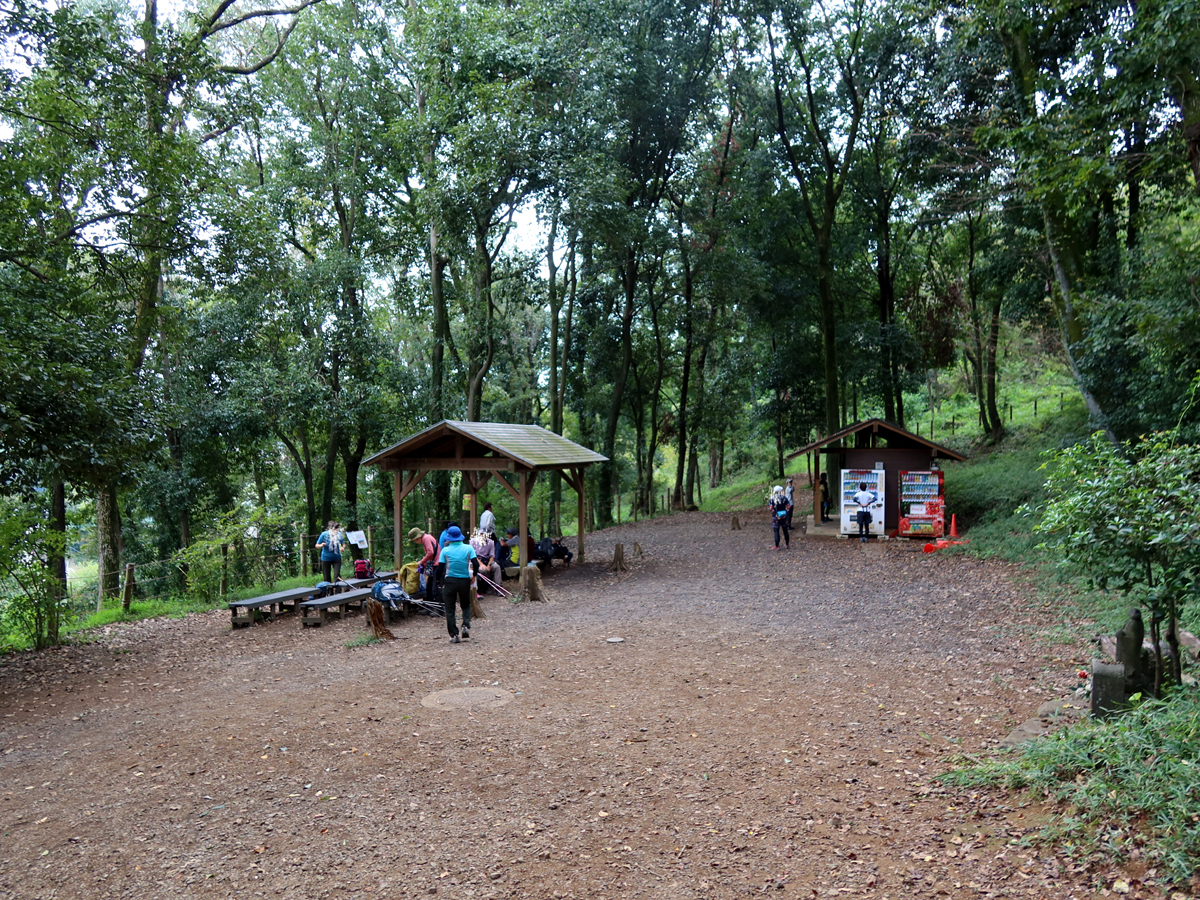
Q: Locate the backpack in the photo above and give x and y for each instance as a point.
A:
(544, 549)
(324, 589)
(363, 568)
(389, 593)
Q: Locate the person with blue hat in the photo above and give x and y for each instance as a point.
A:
(462, 565)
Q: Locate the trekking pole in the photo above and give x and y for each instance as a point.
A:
(503, 592)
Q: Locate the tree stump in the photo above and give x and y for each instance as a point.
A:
(476, 606)
(637, 550)
(533, 584)
(735, 525)
(375, 615)
(618, 562)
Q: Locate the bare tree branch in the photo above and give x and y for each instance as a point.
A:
(213, 26)
(267, 60)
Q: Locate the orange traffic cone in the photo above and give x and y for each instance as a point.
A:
(953, 526)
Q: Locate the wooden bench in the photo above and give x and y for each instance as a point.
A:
(244, 613)
(315, 612)
(372, 579)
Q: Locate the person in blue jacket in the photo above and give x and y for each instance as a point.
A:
(462, 565)
(780, 516)
(330, 543)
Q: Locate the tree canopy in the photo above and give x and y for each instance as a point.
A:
(242, 248)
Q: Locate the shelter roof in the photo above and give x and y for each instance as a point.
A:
(484, 445)
(869, 432)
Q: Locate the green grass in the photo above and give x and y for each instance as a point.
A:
(1127, 785)
(365, 639)
(745, 490)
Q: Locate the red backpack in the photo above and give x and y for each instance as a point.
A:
(362, 568)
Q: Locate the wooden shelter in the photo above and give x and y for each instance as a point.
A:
(863, 445)
(480, 451)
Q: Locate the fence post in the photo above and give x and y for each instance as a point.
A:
(127, 594)
(302, 542)
(299, 551)
(224, 570)
(371, 543)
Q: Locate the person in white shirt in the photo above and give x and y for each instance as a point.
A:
(487, 522)
(864, 498)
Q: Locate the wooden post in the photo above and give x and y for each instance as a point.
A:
(580, 495)
(474, 509)
(224, 570)
(127, 594)
(371, 543)
(523, 530)
(302, 540)
(299, 550)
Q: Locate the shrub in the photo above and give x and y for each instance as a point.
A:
(32, 597)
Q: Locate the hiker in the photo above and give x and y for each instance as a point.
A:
(487, 521)
(429, 546)
(462, 565)
(823, 497)
(780, 508)
(561, 551)
(330, 543)
(864, 499)
(485, 546)
(508, 543)
(790, 493)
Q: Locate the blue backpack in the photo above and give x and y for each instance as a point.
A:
(390, 593)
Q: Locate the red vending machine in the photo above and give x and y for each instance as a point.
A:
(922, 504)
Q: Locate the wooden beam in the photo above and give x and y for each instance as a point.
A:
(451, 464)
(522, 531)
(569, 477)
(508, 487)
(481, 479)
(413, 480)
(528, 481)
(397, 510)
(580, 492)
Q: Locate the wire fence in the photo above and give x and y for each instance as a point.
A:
(168, 579)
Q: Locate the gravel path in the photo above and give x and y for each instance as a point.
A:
(771, 722)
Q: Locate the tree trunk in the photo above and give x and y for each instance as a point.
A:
(556, 410)
(608, 469)
(57, 564)
(828, 323)
(108, 538)
(990, 375)
(479, 366)
(685, 378)
(441, 330)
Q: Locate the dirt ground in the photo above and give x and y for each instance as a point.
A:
(770, 723)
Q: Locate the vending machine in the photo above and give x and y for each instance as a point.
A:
(851, 479)
(922, 504)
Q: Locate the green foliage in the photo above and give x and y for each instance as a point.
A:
(31, 596)
(243, 546)
(1124, 783)
(1128, 516)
